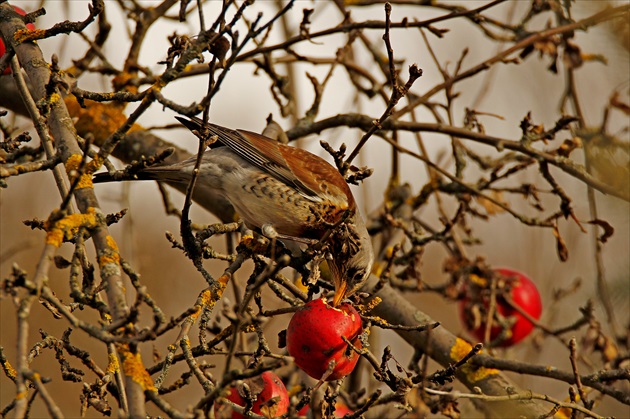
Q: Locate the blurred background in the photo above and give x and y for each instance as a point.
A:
(507, 90)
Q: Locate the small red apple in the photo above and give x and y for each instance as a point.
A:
(523, 292)
(3, 48)
(314, 339)
(272, 399)
(340, 410)
(304, 410)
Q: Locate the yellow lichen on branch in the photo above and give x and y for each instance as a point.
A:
(121, 81)
(209, 297)
(98, 119)
(110, 254)
(73, 164)
(134, 368)
(22, 35)
(8, 368)
(67, 227)
(370, 305)
(113, 366)
(54, 99)
(460, 349)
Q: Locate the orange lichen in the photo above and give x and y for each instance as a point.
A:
(110, 254)
(113, 366)
(73, 164)
(121, 82)
(205, 299)
(209, 297)
(460, 349)
(22, 35)
(370, 306)
(98, 119)
(85, 181)
(94, 165)
(111, 243)
(133, 367)
(54, 98)
(55, 237)
(223, 280)
(67, 227)
(8, 369)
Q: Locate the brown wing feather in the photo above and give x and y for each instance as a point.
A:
(296, 167)
(313, 170)
(305, 168)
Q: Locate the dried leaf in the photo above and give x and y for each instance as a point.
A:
(420, 408)
(61, 262)
(490, 207)
(568, 146)
(450, 409)
(573, 57)
(609, 349)
(595, 57)
(608, 229)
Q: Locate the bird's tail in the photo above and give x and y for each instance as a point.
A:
(145, 174)
(173, 172)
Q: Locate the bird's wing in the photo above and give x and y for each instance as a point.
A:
(266, 154)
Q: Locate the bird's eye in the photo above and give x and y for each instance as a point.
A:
(355, 275)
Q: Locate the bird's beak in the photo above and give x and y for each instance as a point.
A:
(340, 293)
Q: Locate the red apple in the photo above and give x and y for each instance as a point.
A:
(304, 411)
(3, 48)
(340, 410)
(272, 399)
(522, 291)
(314, 339)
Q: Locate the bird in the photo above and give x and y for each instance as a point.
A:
(282, 191)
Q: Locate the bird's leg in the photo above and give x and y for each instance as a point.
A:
(270, 232)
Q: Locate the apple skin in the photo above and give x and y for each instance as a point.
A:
(524, 294)
(340, 411)
(314, 338)
(266, 386)
(3, 48)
